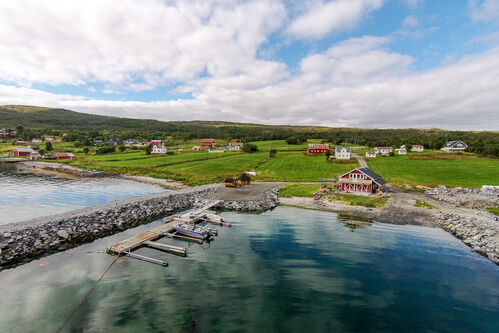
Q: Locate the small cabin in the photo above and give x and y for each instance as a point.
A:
(22, 151)
(196, 148)
(317, 149)
(417, 148)
(371, 154)
(35, 156)
(244, 179)
(230, 182)
(65, 156)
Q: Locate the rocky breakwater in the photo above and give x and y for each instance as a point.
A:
(479, 231)
(31, 239)
(268, 200)
(467, 197)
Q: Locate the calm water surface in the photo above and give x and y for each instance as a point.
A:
(288, 270)
(25, 196)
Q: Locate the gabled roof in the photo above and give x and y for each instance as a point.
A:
(368, 172)
(318, 146)
(452, 143)
(338, 148)
(24, 150)
(383, 147)
(244, 177)
(417, 145)
(229, 180)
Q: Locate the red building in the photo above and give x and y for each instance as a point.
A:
(22, 151)
(208, 143)
(361, 181)
(65, 156)
(317, 149)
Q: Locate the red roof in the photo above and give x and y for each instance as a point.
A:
(64, 154)
(417, 145)
(155, 141)
(318, 146)
(208, 140)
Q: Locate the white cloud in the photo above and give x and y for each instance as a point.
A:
(355, 83)
(484, 10)
(410, 22)
(131, 44)
(413, 3)
(322, 18)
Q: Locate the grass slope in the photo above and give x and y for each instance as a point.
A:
(435, 168)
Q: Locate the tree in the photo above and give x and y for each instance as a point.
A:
(48, 146)
(148, 149)
(328, 154)
(249, 147)
(41, 152)
(77, 144)
(86, 150)
(121, 148)
(20, 130)
(272, 153)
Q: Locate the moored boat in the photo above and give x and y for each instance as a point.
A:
(193, 230)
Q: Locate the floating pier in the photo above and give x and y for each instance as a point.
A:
(148, 238)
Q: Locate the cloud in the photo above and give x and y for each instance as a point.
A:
(413, 3)
(484, 10)
(129, 44)
(322, 18)
(357, 83)
(410, 22)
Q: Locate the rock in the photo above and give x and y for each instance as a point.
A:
(63, 234)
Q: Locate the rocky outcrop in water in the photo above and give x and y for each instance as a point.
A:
(30, 239)
(270, 200)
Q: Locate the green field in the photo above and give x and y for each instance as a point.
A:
(437, 168)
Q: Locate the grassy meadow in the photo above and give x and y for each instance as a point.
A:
(437, 168)
(291, 164)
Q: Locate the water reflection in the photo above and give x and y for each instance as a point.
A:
(26, 196)
(285, 270)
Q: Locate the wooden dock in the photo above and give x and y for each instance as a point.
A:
(148, 238)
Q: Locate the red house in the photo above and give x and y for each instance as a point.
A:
(317, 149)
(65, 156)
(208, 143)
(361, 181)
(22, 151)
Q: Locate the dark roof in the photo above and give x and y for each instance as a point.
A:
(375, 177)
(339, 148)
(452, 143)
(229, 180)
(244, 177)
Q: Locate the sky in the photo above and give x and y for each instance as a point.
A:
(338, 63)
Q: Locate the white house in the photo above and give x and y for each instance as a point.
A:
(235, 146)
(455, 146)
(384, 151)
(342, 153)
(417, 148)
(402, 150)
(49, 139)
(371, 154)
(158, 147)
(36, 141)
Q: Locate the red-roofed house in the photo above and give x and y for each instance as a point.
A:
(35, 156)
(317, 149)
(208, 143)
(419, 148)
(65, 156)
(384, 151)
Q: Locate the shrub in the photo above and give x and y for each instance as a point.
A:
(249, 147)
(121, 148)
(272, 153)
(105, 149)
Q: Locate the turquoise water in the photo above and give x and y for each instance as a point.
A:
(288, 270)
(25, 196)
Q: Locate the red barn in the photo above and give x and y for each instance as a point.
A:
(317, 149)
(361, 181)
(208, 143)
(22, 151)
(65, 156)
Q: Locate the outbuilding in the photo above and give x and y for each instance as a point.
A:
(208, 143)
(22, 151)
(244, 179)
(417, 148)
(317, 149)
(196, 148)
(362, 181)
(230, 182)
(65, 156)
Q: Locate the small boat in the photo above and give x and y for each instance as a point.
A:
(193, 230)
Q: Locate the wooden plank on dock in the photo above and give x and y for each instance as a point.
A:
(144, 258)
(137, 240)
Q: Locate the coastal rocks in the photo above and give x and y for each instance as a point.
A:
(478, 232)
(467, 197)
(270, 200)
(31, 239)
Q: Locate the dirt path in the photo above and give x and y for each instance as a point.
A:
(362, 162)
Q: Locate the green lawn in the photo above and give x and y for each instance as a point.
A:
(298, 190)
(435, 168)
(296, 166)
(493, 210)
(282, 145)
